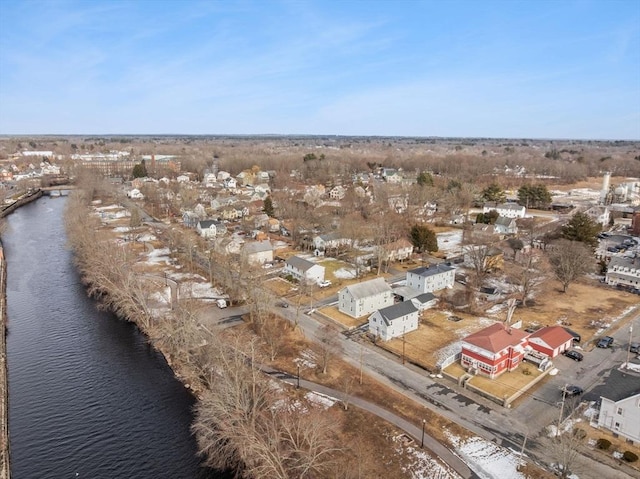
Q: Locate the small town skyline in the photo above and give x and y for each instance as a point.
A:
(492, 69)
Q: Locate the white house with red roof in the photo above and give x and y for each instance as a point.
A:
(494, 349)
(551, 340)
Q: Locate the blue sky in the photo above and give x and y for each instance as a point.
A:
(518, 69)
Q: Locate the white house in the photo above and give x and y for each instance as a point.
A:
(599, 214)
(508, 210)
(210, 228)
(304, 270)
(432, 278)
(230, 183)
(135, 194)
(397, 251)
(505, 226)
(337, 193)
(624, 271)
(364, 298)
(329, 241)
(259, 251)
(394, 321)
(621, 415)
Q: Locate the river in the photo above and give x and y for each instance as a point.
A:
(88, 397)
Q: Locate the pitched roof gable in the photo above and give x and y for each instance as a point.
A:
(496, 337)
(396, 311)
(300, 263)
(553, 336)
(368, 288)
(431, 270)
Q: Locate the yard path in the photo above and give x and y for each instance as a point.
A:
(442, 452)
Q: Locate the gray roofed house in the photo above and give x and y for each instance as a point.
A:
(625, 271)
(620, 404)
(303, 269)
(505, 226)
(424, 301)
(360, 299)
(211, 228)
(432, 278)
(259, 251)
(394, 321)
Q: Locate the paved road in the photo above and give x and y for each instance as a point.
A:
(430, 443)
(480, 417)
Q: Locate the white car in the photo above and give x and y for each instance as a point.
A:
(324, 284)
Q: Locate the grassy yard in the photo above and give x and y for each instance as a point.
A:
(435, 332)
(344, 319)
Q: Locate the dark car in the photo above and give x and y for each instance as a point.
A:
(605, 342)
(283, 304)
(634, 348)
(575, 355)
(576, 336)
(571, 391)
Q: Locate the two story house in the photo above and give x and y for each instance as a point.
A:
(211, 228)
(624, 271)
(431, 278)
(304, 270)
(494, 350)
(508, 210)
(394, 321)
(621, 414)
(364, 298)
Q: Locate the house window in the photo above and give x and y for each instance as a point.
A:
(617, 426)
(619, 411)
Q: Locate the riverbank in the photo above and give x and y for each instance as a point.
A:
(5, 468)
(26, 199)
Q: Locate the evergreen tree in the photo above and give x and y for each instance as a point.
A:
(423, 238)
(582, 228)
(425, 179)
(494, 193)
(268, 207)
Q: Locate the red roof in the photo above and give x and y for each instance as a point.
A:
(553, 336)
(496, 337)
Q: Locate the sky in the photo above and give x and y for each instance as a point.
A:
(501, 69)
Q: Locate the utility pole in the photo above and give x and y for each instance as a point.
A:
(360, 363)
(422, 441)
(403, 342)
(298, 382)
(629, 345)
(564, 395)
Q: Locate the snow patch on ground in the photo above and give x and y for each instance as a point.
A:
(147, 237)
(345, 273)
(450, 241)
(122, 229)
(320, 399)
(163, 296)
(488, 460)
(307, 360)
(202, 291)
(160, 255)
(423, 465)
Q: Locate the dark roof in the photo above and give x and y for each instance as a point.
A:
(431, 270)
(425, 297)
(617, 385)
(300, 263)
(396, 311)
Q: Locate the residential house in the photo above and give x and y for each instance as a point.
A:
(398, 203)
(260, 220)
(258, 252)
(397, 251)
(304, 270)
(492, 258)
(211, 228)
(333, 240)
(364, 298)
(494, 350)
(508, 210)
(190, 219)
(505, 226)
(223, 175)
(230, 183)
(551, 340)
(229, 213)
(621, 414)
(623, 271)
(432, 278)
(424, 301)
(391, 175)
(337, 192)
(394, 321)
(135, 194)
(273, 225)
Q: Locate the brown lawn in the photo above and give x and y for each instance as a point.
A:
(344, 319)
(583, 303)
(435, 332)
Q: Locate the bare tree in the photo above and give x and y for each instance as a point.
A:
(529, 275)
(327, 346)
(570, 260)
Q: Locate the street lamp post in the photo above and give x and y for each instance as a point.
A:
(422, 440)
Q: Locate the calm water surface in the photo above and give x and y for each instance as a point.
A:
(88, 397)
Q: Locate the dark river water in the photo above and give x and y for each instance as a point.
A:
(88, 398)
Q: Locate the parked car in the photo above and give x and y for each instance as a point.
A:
(605, 342)
(575, 355)
(324, 284)
(283, 304)
(576, 336)
(571, 391)
(634, 347)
